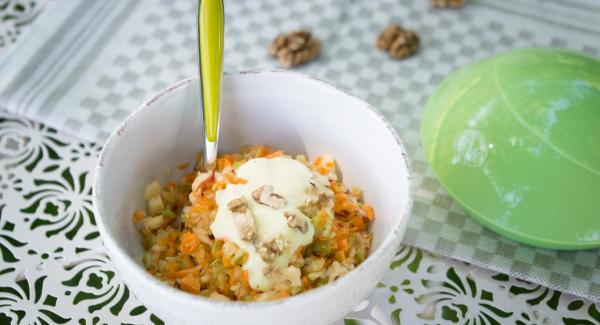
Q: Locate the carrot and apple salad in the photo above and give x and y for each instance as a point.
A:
(264, 225)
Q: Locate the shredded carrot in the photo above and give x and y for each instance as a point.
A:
(227, 261)
(368, 210)
(172, 267)
(232, 179)
(202, 256)
(343, 205)
(339, 202)
(318, 160)
(323, 217)
(224, 161)
(305, 281)
(185, 272)
(170, 185)
(219, 186)
(335, 226)
(181, 200)
(343, 244)
(340, 256)
(232, 278)
(183, 166)
(138, 216)
(245, 277)
(283, 294)
(203, 204)
(189, 177)
(324, 165)
(341, 197)
(190, 283)
(342, 231)
(356, 192)
(189, 243)
(358, 222)
(351, 207)
(336, 187)
(262, 151)
(274, 154)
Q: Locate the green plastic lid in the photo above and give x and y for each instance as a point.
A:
(515, 139)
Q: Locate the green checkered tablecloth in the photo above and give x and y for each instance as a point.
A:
(85, 65)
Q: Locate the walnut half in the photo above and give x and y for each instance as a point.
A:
(243, 219)
(237, 206)
(294, 222)
(270, 270)
(265, 196)
(270, 250)
(317, 193)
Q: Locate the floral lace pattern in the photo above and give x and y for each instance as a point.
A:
(14, 16)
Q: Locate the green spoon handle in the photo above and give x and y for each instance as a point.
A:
(210, 53)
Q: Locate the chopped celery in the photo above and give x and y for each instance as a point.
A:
(322, 227)
(168, 214)
(236, 164)
(302, 158)
(320, 282)
(216, 247)
(322, 248)
(148, 242)
(360, 254)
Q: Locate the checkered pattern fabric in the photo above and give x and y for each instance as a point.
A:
(164, 51)
(156, 47)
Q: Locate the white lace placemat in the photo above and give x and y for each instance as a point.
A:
(15, 19)
(85, 65)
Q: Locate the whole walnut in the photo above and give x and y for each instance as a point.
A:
(294, 48)
(447, 3)
(398, 42)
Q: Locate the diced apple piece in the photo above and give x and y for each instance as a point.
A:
(155, 205)
(153, 189)
(153, 223)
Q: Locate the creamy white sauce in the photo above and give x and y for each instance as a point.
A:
(290, 179)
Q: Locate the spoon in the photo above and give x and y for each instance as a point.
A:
(210, 21)
(210, 69)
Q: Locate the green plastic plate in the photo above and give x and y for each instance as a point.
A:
(515, 139)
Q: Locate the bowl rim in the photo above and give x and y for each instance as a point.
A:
(112, 248)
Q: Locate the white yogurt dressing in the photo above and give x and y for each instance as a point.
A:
(290, 179)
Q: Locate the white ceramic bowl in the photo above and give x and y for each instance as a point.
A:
(285, 110)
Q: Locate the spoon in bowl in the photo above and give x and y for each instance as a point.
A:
(210, 21)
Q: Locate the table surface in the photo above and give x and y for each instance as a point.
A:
(54, 269)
